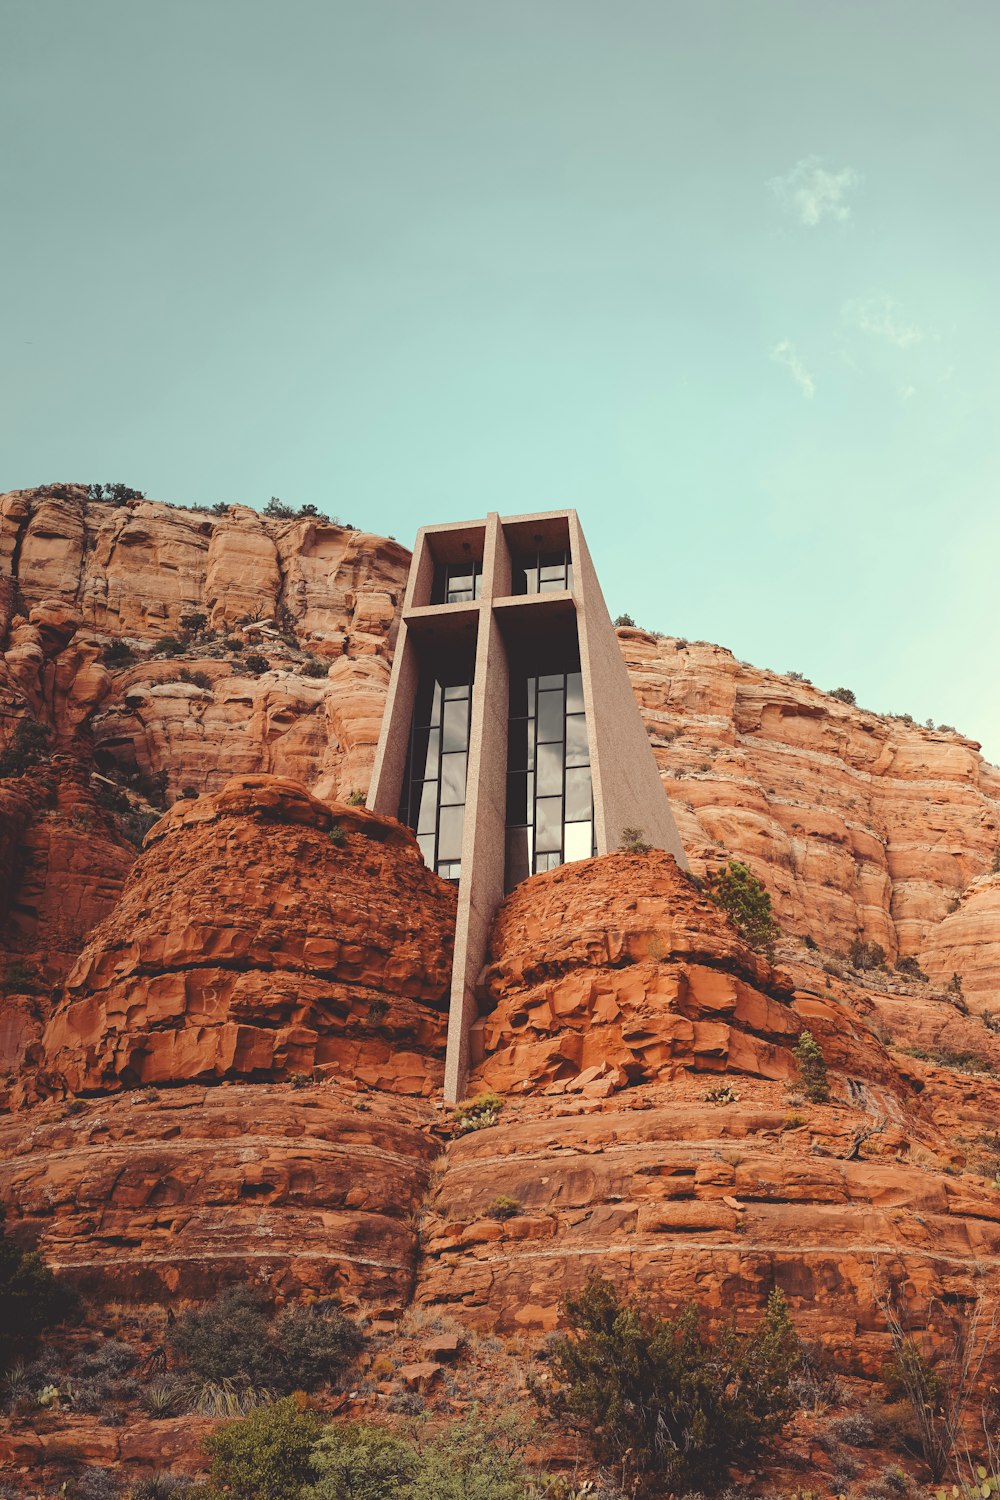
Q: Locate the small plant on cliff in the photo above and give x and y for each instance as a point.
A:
(117, 654)
(632, 842)
(113, 494)
(477, 1114)
(503, 1207)
(909, 966)
(866, 956)
(32, 1298)
(268, 1455)
(277, 510)
(337, 836)
(315, 667)
(28, 747)
(355, 798)
(624, 620)
(256, 665)
(676, 1408)
(812, 1069)
(236, 1337)
(194, 622)
(843, 695)
(168, 645)
(746, 902)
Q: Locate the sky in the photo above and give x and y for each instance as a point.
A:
(721, 274)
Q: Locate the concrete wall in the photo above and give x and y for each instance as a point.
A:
(627, 786)
(628, 792)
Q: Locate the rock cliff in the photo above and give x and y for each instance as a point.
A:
(861, 825)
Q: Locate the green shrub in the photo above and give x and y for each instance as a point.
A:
(865, 956)
(196, 679)
(812, 1069)
(503, 1207)
(747, 903)
(663, 1400)
(20, 978)
(337, 835)
(843, 695)
(277, 510)
(256, 664)
(910, 967)
(266, 1455)
(362, 1461)
(474, 1459)
(624, 620)
(28, 747)
(317, 667)
(355, 798)
(117, 654)
(477, 1114)
(113, 494)
(168, 645)
(237, 1338)
(31, 1298)
(632, 842)
(194, 622)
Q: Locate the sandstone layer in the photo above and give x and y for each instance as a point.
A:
(860, 824)
(262, 934)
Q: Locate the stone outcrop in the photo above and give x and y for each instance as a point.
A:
(860, 824)
(169, 1194)
(263, 934)
(654, 1128)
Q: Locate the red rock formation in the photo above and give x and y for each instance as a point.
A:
(160, 1195)
(656, 1131)
(248, 943)
(858, 823)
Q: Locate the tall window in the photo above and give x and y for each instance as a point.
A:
(457, 583)
(541, 573)
(550, 801)
(433, 800)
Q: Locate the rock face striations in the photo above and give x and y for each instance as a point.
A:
(263, 934)
(861, 825)
(224, 1054)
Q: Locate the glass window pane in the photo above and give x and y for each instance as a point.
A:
(550, 770)
(579, 804)
(426, 842)
(577, 749)
(518, 746)
(552, 585)
(555, 680)
(550, 861)
(531, 580)
(456, 690)
(453, 773)
(550, 717)
(455, 728)
(574, 693)
(450, 833)
(579, 841)
(518, 803)
(425, 753)
(518, 855)
(548, 823)
(522, 696)
(450, 869)
(425, 805)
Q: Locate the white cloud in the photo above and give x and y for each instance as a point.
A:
(883, 318)
(907, 393)
(812, 193)
(786, 354)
